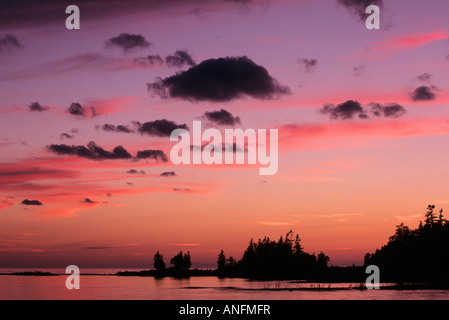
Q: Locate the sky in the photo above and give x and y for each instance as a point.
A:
(86, 176)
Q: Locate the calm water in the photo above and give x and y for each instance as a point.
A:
(196, 288)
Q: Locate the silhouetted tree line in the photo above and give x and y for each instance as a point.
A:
(411, 255)
(264, 259)
(269, 259)
(420, 254)
(181, 264)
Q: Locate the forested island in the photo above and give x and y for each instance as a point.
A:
(418, 255)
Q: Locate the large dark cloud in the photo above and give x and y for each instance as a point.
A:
(9, 41)
(128, 42)
(32, 202)
(353, 109)
(159, 128)
(91, 151)
(78, 110)
(94, 152)
(222, 117)
(423, 93)
(358, 7)
(180, 58)
(219, 80)
(35, 106)
(308, 64)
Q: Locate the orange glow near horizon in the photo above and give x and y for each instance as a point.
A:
(348, 172)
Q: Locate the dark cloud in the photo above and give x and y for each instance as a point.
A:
(35, 106)
(308, 64)
(222, 117)
(113, 128)
(353, 109)
(92, 151)
(9, 41)
(358, 7)
(168, 174)
(32, 202)
(134, 171)
(219, 80)
(65, 136)
(359, 70)
(393, 110)
(159, 128)
(151, 60)
(345, 110)
(78, 110)
(423, 93)
(152, 154)
(87, 200)
(128, 42)
(447, 58)
(425, 77)
(181, 189)
(179, 59)
(97, 248)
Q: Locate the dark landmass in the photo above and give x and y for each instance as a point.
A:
(412, 259)
(415, 255)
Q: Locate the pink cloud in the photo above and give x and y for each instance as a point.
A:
(324, 135)
(400, 43)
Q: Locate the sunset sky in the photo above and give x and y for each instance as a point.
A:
(85, 172)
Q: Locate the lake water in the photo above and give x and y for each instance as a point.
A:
(110, 287)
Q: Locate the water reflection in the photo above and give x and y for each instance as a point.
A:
(196, 288)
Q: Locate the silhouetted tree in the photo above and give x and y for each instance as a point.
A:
(231, 261)
(322, 260)
(420, 254)
(181, 262)
(284, 258)
(159, 263)
(221, 262)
